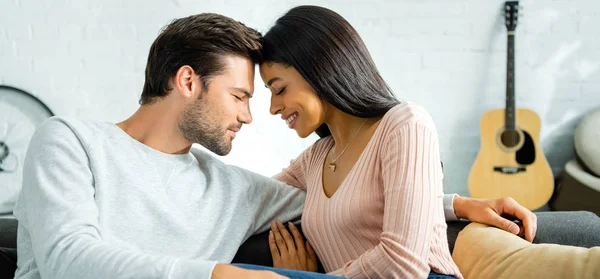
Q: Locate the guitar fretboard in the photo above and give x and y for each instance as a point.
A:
(510, 82)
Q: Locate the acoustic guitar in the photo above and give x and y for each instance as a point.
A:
(510, 162)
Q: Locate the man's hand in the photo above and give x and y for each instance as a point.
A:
(491, 212)
(225, 271)
(288, 252)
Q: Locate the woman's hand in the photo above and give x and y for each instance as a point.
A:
(290, 251)
(492, 212)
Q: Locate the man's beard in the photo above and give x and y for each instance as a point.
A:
(200, 124)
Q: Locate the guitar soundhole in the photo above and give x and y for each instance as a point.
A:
(510, 138)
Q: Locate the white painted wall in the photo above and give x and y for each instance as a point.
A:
(86, 58)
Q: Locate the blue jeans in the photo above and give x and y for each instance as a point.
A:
(433, 275)
(295, 274)
(292, 274)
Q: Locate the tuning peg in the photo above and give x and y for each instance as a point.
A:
(507, 8)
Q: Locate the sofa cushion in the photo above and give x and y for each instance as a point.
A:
(575, 228)
(8, 262)
(8, 232)
(586, 141)
(487, 252)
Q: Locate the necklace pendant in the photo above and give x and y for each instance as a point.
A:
(332, 166)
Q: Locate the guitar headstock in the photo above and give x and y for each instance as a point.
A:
(511, 14)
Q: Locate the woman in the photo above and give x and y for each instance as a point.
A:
(374, 179)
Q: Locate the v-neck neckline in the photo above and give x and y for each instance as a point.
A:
(353, 169)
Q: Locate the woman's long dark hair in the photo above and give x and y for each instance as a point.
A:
(328, 52)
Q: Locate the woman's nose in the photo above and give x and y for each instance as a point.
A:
(276, 106)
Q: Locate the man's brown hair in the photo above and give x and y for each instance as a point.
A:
(198, 41)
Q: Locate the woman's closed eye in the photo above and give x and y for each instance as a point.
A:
(280, 91)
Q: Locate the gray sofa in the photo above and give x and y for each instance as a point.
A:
(578, 228)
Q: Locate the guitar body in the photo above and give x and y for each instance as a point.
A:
(519, 170)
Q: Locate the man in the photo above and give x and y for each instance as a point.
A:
(132, 200)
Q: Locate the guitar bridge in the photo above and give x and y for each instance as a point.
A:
(509, 170)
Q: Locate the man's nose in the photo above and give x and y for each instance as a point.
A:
(245, 116)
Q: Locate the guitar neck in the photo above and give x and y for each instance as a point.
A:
(510, 82)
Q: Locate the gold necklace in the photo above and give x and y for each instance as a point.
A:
(332, 165)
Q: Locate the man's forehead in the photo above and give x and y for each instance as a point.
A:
(236, 62)
(239, 71)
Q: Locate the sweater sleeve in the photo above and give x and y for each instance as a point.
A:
(272, 200)
(412, 185)
(295, 173)
(278, 199)
(60, 216)
(449, 212)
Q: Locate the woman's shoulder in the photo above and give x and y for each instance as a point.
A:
(407, 113)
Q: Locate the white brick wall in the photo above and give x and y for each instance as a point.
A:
(86, 58)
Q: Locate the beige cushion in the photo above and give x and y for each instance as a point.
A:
(586, 140)
(487, 252)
